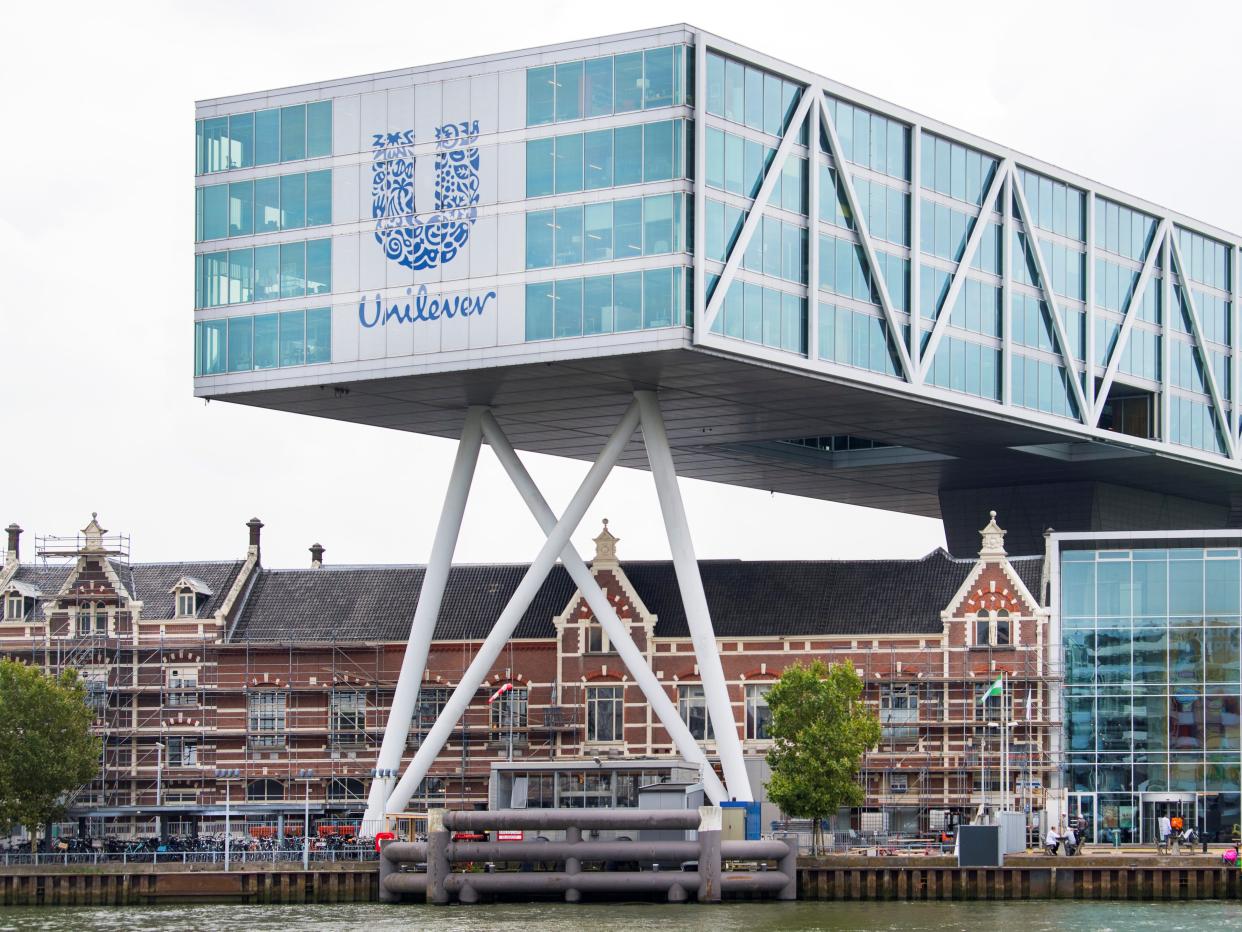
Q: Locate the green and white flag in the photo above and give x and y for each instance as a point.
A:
(996, 689)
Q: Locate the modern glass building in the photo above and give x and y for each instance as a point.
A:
(545, 230)
(1149, 627)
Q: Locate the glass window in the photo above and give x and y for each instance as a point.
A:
(628, 300)
(598, 90)
(241, 355)
(658, 77)
(319, 198)
(773, 108)
(658, 225)
(692, 704)
(628, 155)
(266, 205)
(319, 335)
(266, 341)
(604, 713)
(292, 133)
(758, 715)
(598, 155)
(628, 227)
(241, 209)
(568, 308)
(597, 243)
(292, 270)
(597, 304)
(540, 166)
(241, 276)
(215, 142)
(754, 98)
(318, 266)
(292, 201)
(214, 337)
(539, 300)
(319, 129)
(267, 137)
(569, 91)
(539, 239)
(735, 91)
(568, 235)
(658, 151)
(569, 163)
(715, 84)
(215, 211)
(628, 82)
(266, 273)
(658, 298)
(292, 338)
(540, 95)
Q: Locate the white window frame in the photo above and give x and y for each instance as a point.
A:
(187, 752)
(611, 705)
(691, 697)
(14, 606)
(516, 703)
(756, 698)
(595, 639)
(187, 603)
(92, 619)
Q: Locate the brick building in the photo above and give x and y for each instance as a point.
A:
(286, 675)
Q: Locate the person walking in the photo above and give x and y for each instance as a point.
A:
(1166, 829)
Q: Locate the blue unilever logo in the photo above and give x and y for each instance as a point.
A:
(425, 242)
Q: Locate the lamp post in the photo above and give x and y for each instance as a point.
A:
(228, 776)
(306, 775)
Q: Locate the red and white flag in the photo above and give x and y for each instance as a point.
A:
(500, 692)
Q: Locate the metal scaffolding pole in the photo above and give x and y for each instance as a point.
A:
(715, 687)
(423, 627)
(618, 634)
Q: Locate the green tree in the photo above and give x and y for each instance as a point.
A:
(820, 728)
(47, 749)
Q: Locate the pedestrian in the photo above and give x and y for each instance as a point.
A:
(1051, 841)
(1166, 829)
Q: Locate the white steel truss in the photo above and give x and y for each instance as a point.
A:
(480, 423)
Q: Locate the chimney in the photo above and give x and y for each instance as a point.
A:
(316, 556)
(255, 526)
(13, 553)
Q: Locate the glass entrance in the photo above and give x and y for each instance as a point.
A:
(1081, 816)
(1166, 804)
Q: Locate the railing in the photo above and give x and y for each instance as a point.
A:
(277, 855)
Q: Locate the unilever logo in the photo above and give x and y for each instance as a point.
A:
(432, 241)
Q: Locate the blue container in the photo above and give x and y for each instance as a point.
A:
(752, 817)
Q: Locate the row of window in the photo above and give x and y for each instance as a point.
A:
(1213, 316)
(966, 366)
(265, 137)
(747, 95)
(1122, 231)
(263, 273)
(738, 165)
(639, 226)
(573, 307)
(1032, 326)
(776, 248)
(606, 85)
(1055, 206)
(762, 315)
(886, 210)
(870, 140)
(1114, 287)
(855, 338)
(1192, 424)
(954, 170)
(1042, 386)
(606, 158)
(1141, 356)
(843, 269)
(978, 308)
(1206, 260)
(264, 341)
(265, 205)
(943, 232)
(1066, 266)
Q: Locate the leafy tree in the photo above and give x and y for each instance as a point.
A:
(821, 728)
(47, 749)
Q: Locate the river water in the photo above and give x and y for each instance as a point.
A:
(1032, 916)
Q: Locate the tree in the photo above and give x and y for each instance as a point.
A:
(47, 749)
(821, 728)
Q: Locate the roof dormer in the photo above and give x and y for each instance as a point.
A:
(190, 593)
(20, 597)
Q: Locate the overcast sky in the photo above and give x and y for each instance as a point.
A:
(96, 219)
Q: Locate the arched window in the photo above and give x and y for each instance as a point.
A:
(983, 636)
(1003, 632)
(264, 790)
(92, 619)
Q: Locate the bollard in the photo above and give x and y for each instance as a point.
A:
(788, 865)
(386, 867)
(710, 822)
(437, 857)
(573, 865)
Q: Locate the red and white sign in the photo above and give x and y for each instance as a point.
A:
(500, 692)
(509, 836)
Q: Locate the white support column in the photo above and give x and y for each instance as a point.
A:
(519, 602)
(618, 634)
(916, 245)
(1006, 366)
(715, 688)
(430, 596)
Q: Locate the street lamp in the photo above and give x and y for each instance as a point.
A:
(306, 775)
(228, 776)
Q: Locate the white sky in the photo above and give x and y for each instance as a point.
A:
(96, 220)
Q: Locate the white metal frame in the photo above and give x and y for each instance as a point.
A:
(480, 424)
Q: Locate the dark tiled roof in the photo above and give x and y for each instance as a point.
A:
(150, 583)
(49, 579)
(769, 597)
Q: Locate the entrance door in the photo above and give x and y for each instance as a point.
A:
(1156, 805)
(1082, 815)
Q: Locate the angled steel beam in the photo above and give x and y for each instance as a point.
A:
(1127, 321)
(423, 627)
(618, 634)
(755, 216)
(1003, 170)
(519, 602)
(864, 238)
(916, 243)
(1045, 284)
(1222, 419)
